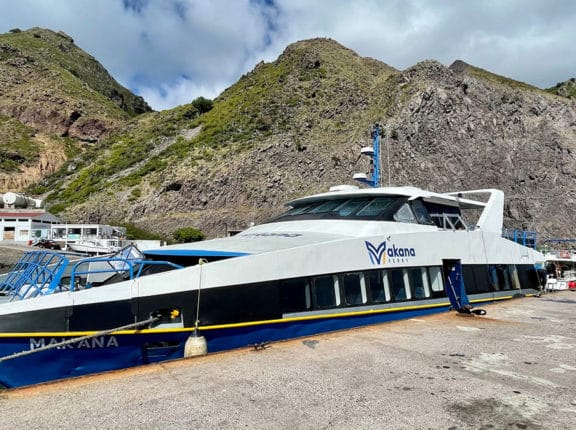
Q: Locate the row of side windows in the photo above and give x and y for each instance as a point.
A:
(361, 288)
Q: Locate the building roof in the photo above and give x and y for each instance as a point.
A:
(34, 215)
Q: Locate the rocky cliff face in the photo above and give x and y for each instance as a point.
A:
(463, 128)
(55, 90)
(448, 128)
(295, 126)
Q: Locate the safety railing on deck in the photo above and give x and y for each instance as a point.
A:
(37, 273)
(523, 237)
(127, 269)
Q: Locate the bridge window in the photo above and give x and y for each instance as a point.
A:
(379, 207)
(404, 214)
(421, 212)
(327, 206)
(350, 206)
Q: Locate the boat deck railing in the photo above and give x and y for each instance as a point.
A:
(451, 222)
(128, 269)
(562, 254)
(523, 237)
(40, 273)
(37, 273)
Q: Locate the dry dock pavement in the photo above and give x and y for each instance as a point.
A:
(514, 368)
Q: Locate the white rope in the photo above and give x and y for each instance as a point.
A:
(78, 339)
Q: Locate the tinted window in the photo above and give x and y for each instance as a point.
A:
(499, 275)
(379, 207)
(350, 206)
(419, 283)
(528, 276)
(404, 214)
(397, 285)
(476, 279)
(422, 215)
(436, 282)
(295, 295)
(327, 206)
(375, 286)
(352, 286)
(324, 292)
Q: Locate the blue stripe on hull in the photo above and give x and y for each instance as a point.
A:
(130, 350)
(235, 337)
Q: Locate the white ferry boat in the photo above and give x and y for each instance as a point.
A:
(346, 258)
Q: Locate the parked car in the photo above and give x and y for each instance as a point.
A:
(46, 243)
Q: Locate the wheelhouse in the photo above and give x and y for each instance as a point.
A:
(442, 211)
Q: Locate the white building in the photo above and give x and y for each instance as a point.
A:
(24, 225)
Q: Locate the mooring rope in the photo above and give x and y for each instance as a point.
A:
(79, 339)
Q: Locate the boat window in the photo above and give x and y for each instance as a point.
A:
(325, 291)
(422, 215)
(404, 214)
(302, 209)
(327, 206)
(375, 284)
(379, 207)
(350, 206)
(295, 295)
(386, 280)
(419, 282)
(476, 279)
(353, 287)
(397, 285)
(435, 275)
(500, 277)
(528, 276)
(447, 217)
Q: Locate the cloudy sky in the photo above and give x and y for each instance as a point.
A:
(172, 51)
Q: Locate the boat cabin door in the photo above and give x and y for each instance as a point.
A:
(454, 283)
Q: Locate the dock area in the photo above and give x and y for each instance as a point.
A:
(514, 368)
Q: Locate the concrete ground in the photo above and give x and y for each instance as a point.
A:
(9, 256)
(515, 368)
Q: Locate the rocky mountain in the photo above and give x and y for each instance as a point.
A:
(296, 126)
(54, 99)
(565, 89)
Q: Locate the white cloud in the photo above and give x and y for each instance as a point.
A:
(178, 93)
(172, 51)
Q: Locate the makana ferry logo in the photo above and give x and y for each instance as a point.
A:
(379, 253)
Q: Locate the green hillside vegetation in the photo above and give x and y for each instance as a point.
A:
(71, 71)
(565, 89)
(286, 128)
(312, 82)
(147, 144)
(503, 80)
(16, 144)
(288, 95)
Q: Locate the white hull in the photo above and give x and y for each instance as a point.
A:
(92, 247)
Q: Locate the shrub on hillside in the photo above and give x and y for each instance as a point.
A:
(188, 234)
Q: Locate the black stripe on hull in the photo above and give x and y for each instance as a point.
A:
(223, 305)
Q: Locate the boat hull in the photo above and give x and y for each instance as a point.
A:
(133, 348)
